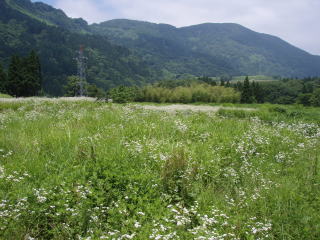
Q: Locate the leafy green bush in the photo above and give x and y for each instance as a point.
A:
(191, 94)
(123, 94)
(278, 109)
(315, 99)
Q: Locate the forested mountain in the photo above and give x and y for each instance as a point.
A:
(163, 47)
(109, 65)
(196, 48)
(126, 52)
(49, 15)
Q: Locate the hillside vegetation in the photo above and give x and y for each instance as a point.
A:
(148, 52)
(211, 49)
(108, 65)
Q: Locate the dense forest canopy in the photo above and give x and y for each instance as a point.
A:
(134, 53)
(211, 90)
(108, 65)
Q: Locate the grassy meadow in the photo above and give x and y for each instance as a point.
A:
(92, 170)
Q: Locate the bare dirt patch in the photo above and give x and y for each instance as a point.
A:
(195, 108)
(39, 99)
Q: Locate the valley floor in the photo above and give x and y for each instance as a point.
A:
(73, 169)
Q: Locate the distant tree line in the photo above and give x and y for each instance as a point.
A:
(195, 92)
(290, 91)
(206, 89)
(283, 91)
(23, 77)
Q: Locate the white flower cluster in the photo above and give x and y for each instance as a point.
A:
(13, 177)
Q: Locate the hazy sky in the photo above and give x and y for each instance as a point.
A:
(295, 21)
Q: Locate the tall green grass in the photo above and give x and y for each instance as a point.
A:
(90, 170)
(2, 95)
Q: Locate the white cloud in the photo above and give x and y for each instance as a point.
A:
(87, 9)
(293, 20)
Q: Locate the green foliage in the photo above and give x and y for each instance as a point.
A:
(210, 49)
(33, 74)
(315, 98)
(24, 76)
(15, 77)
(208, 80)
(72, 88)
(2, 95)
(157, 51)
(190, 94)
(94, 91)
(304, 99)
(174, 173)
(289, 91)
(123, 94)
(257, 92)
(108, 65)
(246, 94)
(3, 80)
(48, 15)
(81, 170)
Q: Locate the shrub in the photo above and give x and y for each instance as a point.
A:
(123, 94)
(174, 172)
(190, 94)
(315, 99)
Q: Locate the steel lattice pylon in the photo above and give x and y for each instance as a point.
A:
(82, 65)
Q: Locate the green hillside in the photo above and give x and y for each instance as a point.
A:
(163, 48)
(147, 51)
(109, 65)
(49, 15)
(231, 46)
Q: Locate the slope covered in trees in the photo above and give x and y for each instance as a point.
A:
(211, 48)
(48, 15)
(109, 65)
(148, 51)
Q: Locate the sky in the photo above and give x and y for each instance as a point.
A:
(295, 21)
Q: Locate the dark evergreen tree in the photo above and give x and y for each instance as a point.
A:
(24, 76)
(32, 75)
(239, 86)
(315, 99)
(228, 84)
(305, 99)
(15, 77)
(3, 80)
(246, 94)
(304, 88)
(257, 92)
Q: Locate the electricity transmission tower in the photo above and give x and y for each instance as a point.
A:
(82, 65)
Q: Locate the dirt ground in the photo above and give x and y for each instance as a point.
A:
(167, 108)
(196, 108)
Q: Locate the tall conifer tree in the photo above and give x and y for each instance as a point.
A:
(24, 76)
(3, 80)
(258, 93)
(32, 75)
(15, 77)
(246, 95)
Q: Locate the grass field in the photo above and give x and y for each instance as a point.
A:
(91, 170)
(2, 95)
(256, 78)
